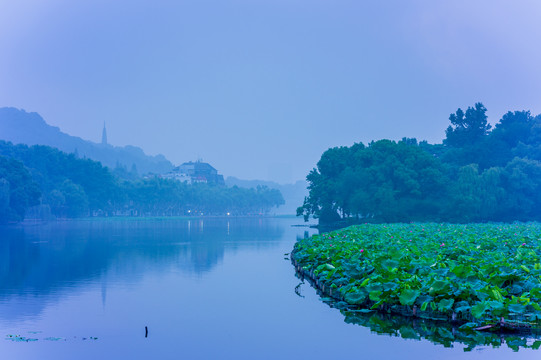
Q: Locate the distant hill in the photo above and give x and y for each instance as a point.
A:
(21, 127)
(293, 193)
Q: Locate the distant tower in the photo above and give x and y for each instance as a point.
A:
(104, 135)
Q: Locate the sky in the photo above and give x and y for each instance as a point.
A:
(260, 89)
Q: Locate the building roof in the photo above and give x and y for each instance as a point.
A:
(198, 165)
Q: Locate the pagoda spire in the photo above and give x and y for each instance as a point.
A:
(104, 135)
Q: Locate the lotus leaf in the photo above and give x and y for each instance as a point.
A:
(408, 296)
(356, 298)
(483, 270)
(445, 304)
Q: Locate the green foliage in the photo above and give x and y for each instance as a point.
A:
(386, 180)
(17, 190)
(481, 271)
(438, 333)
(75, 199)
(408, 296)
(155, 196)
(74, 187)
(475, 175)
(51, 168)
(467, 128)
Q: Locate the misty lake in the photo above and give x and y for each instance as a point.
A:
(205, 288)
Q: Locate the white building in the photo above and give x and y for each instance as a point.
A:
(176, 175)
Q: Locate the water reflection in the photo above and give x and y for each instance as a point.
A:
(440, 333)
(38, 262)
(437, 332)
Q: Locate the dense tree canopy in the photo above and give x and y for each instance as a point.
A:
(17, 190)
(73, 187)
(476, 174)
(386, 180)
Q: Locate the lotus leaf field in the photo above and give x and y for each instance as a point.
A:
(475, 275)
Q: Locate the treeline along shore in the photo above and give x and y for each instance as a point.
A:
(477, 174)
(41, 181)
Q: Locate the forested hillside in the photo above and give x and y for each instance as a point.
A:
(476, 174)
(21, 127)
(74, 187)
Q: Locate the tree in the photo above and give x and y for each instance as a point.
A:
(467, 128)
(475, 175)
(76, 200)
(23, 192)
(523, 185)
(386, 181)
(4, 198)
(467, 138)
(57, 202)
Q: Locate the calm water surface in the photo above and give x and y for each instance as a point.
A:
(206, 289)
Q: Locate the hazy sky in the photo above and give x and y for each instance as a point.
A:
(261, 88)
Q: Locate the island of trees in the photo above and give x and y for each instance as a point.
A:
(476, 174)
(47, 179)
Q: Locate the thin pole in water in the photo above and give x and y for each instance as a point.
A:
(146, 331)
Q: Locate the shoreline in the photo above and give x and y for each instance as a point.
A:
(414, 326)
(326, 271)
(36, 222)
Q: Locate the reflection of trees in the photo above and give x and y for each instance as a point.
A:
(39, 260)
(439, 332)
